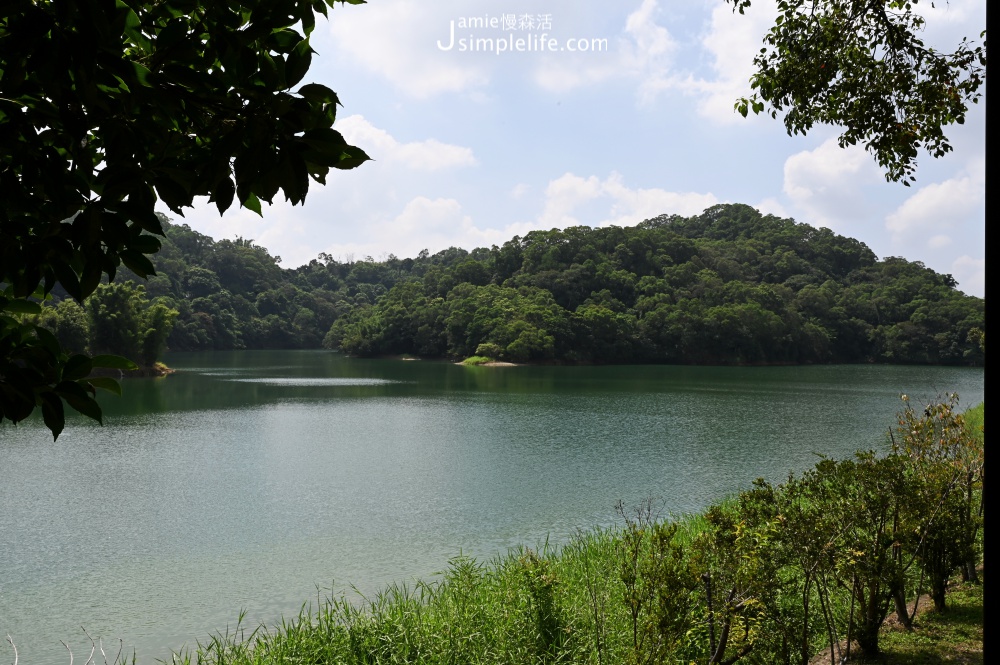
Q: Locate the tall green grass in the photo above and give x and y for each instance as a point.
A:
(557, 604)
(975, 419)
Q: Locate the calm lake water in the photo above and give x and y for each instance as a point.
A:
(248, 480)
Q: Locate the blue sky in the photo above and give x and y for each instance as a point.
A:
(474, 147)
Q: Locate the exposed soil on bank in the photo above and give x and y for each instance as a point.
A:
(933, 639)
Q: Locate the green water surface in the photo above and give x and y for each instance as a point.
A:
(247, 480)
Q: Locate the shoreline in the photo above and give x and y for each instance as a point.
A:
(157, 370)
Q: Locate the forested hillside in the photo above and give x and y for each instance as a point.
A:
(727, 286)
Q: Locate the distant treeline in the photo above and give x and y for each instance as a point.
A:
(727, 286)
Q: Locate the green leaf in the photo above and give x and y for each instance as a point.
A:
(91, 276)
(137, 262)
(316, 92)
(67, 277)
(352, 157)
(223, 195)
(146, 244)
(132, 25)
(174, 32)
(113, 362)
(253, 203)
(106, 383)
(298, 63)
(53, 413)
(77, 367)
(172, 192)
(142, 74)
(88, 406)
(18, 306)
(48, 340)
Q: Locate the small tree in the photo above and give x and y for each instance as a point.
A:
(123, 322)
(660, 587)
(944, 461)
(68, 321)
(738, 579)
(862, 511)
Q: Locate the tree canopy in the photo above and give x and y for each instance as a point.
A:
(728, 286)
(107, 107)
(862, 65)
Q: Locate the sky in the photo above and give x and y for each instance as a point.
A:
(610, 113)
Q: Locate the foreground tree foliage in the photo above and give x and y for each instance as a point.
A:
(862, 65)
(107, 107)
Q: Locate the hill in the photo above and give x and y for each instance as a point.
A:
(728, 286)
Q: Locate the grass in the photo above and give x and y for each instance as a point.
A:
(473, 361)
(554, 605)
(974, 419)
(952, 636)
(524, 607)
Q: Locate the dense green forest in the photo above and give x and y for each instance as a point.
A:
(727, 286)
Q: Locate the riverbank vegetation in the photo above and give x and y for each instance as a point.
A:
(118, 319)
(776, 574)
(727, 286)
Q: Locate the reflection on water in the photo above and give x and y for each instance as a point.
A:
(287, 381)
(244, 480)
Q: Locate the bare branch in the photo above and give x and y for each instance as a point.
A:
(15, 647)
(93, 646)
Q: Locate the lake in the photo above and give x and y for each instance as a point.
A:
(256, 480)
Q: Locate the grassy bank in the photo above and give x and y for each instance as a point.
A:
(777, 574)
(955, 636)
(532, 607)
(475, 361)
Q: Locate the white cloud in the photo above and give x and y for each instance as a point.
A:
(939, 242)
(364, 209)
(564, 195)
(397, 40)
(643, 52)
(731, 43)
(424, 223)
(519, 190)
(428, 155)
(423, 215)
(971, 274)
(771, 206)
(939, 207)
(826, 183)
(438, 223)
(624, 206)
